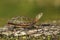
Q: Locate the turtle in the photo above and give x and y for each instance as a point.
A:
(24, 22)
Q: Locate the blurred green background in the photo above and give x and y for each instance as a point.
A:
(29, 8)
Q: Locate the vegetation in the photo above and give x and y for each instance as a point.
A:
(29, 8)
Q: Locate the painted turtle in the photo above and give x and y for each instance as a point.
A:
(24, 22)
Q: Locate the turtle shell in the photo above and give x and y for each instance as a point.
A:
(20, 21)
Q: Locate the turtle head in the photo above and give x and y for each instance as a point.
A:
(38, 17)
